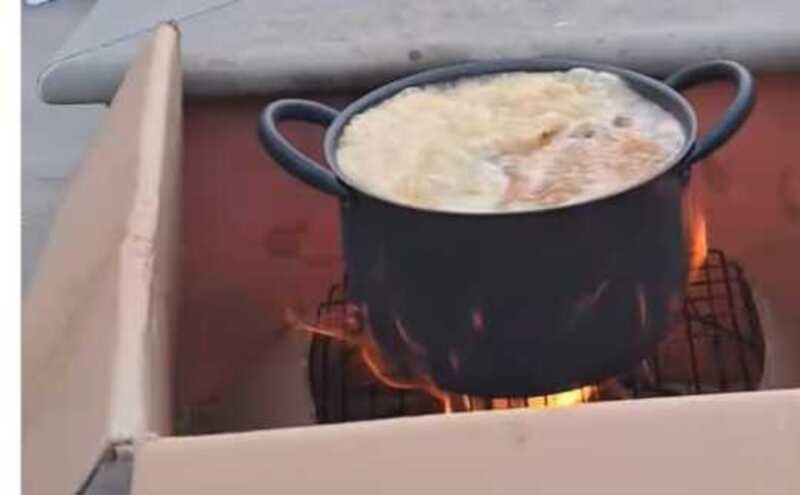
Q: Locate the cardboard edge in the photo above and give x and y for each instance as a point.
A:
(148, 252)
(79, 372)
(623, 447)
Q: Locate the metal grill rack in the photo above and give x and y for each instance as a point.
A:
(718, 348)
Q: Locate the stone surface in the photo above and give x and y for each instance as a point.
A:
(53, 138)
(256, 46)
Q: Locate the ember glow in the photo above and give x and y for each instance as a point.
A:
(567, 398)
(564, 399)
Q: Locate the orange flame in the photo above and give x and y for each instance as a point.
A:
(699, 250)
(697, 231)
(370, 356)
(450, 403)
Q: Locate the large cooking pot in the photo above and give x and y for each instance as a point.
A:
(516, 303)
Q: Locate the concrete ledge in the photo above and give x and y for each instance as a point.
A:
(236, 47)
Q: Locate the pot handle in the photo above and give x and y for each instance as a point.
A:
(286, 155)
(737, 111)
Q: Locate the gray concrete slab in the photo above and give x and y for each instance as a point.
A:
(232, 47)
(53, 137)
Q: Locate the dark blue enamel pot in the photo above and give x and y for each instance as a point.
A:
(516, 303)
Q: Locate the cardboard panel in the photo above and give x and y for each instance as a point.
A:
(734, 444)
(96, 320)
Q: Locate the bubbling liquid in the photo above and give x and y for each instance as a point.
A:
(509, 142)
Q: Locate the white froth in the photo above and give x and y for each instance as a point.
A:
(513, 141)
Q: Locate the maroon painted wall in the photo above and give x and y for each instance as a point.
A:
(256, 242)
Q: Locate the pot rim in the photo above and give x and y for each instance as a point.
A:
(476, 69)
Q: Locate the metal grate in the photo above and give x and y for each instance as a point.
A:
(718, 348)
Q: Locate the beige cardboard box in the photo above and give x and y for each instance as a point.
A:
(97, 371)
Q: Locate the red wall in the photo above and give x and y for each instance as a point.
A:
(256, 242)
(751, 188)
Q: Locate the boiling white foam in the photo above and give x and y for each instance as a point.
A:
(513, 141)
